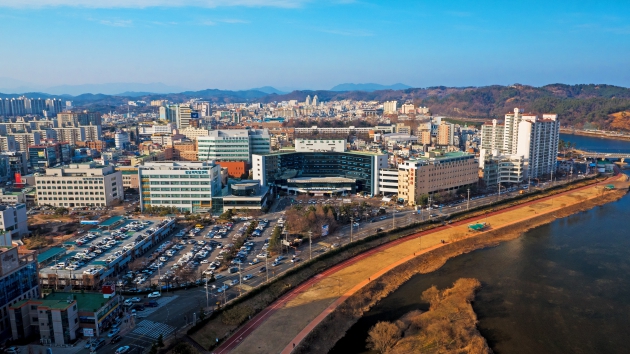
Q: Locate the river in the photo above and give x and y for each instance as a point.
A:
(561, 288)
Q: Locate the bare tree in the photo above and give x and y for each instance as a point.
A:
(383, 336)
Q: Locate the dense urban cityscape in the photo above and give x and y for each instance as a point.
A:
(312, 177)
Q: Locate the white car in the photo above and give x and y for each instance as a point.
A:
(122, 350)
(247, 277)
(154, 294)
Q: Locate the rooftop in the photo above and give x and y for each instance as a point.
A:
(89, 302)
(321, 180)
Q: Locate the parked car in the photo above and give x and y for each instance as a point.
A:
(97, 344)
(151, 303)
(113, 332)
(154, 294)
(115, 339)
(122, 349)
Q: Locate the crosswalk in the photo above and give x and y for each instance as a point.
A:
(153, 329)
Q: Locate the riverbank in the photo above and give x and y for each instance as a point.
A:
(599, 135)
(410, 258)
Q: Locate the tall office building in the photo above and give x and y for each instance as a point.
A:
(233, 144)
(315, 101)
(187, 186)
(180, 115)
(524, 135)
(122, 140)
(308, 100)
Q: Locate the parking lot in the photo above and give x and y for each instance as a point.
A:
(102, 251)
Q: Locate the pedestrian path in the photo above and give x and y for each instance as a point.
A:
(153, 329)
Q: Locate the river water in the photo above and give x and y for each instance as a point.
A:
(560, 288)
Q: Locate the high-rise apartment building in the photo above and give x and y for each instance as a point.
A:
(390, 107)
(75, 119)
(70, 135)
(523, 135)
(446, 134)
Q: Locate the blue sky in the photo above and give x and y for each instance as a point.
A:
(240, 44)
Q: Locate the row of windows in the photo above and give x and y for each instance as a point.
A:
(95, 181)
(70, 198)
(70, 187)
(175, 176)
(180, 183)
(70, 193)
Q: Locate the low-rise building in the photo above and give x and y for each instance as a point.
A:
(77, 185)
(242, 195)
(61, 317)
(13, 224)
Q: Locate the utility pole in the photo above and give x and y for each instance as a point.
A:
(468, 203)
(351, 227)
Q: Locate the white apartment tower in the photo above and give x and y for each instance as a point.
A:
(390, 107)
(523, 135)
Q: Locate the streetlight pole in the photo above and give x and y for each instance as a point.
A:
(310, 244)
(207, 299)
(267, 265)
(468, 202)
(240, 280)
(351, 227)
(394, 218)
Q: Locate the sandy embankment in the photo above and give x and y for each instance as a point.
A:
(334, 326)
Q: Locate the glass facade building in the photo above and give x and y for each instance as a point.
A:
(276, 169)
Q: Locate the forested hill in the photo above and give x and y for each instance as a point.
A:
(577, 105)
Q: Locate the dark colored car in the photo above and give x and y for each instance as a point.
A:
(117, 338)
(262, 269)
(151, 304)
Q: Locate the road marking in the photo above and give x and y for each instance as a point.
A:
(153, 329)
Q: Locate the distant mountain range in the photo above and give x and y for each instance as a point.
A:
(119, 89)
(577, 105)
(369, 87)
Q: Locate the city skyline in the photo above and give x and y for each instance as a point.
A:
(300, 44)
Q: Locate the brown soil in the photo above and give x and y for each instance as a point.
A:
(334, 326)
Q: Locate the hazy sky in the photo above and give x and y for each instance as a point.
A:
(239, 44)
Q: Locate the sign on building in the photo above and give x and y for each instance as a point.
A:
(88, 332)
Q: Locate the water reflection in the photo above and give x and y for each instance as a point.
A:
(561, 288)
